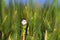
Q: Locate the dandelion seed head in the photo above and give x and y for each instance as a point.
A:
(24, 22)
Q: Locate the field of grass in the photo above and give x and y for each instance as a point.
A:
(29, 21)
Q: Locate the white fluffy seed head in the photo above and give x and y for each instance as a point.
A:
(24, 22)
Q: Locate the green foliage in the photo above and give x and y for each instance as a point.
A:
(39, 20)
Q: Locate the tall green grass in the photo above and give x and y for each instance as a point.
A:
(43, 23)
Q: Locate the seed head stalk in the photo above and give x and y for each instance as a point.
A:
(23, 32)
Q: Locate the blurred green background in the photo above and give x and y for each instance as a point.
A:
(42, 19)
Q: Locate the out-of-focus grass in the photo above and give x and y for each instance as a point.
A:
(43, 23)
